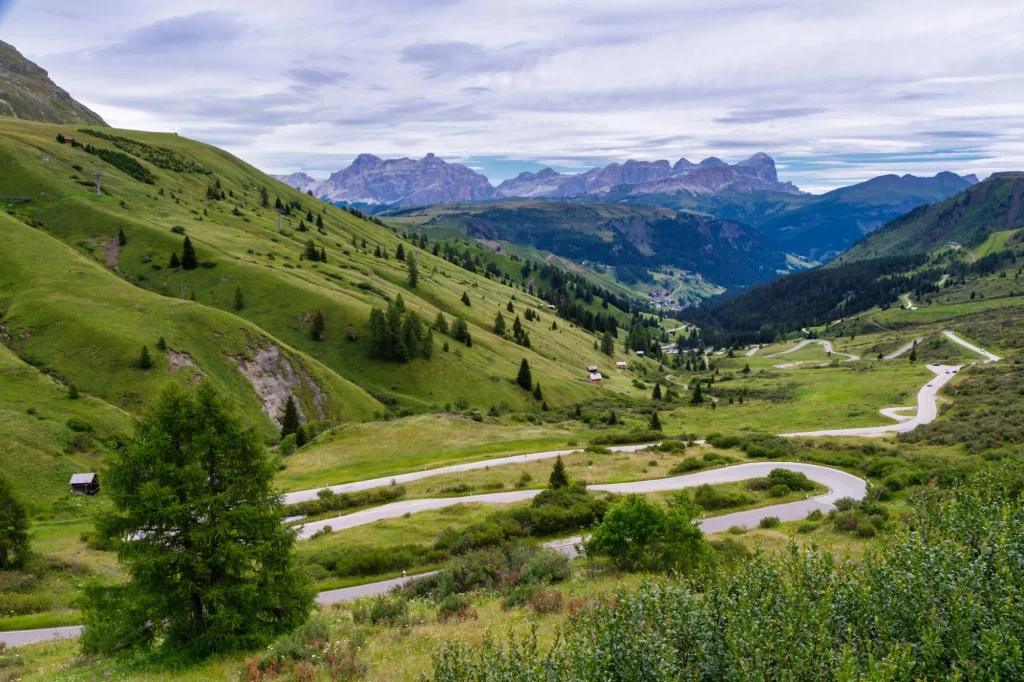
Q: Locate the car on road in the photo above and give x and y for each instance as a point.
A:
(936, 364)
(929, 385)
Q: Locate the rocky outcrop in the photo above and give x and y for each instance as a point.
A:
(405, 182)
(710, 176)
(274, 379)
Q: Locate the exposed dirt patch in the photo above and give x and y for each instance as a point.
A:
(176, 360)
(274, 380)
(112, 249)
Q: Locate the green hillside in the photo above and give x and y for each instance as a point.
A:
(966, 220)
(126, 296)
(634, 240)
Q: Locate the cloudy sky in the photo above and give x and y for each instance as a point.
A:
(835, 92)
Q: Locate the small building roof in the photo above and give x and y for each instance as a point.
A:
(79, 479)
(639, 352)
(591, 368)
(620, 364)
(595, 376)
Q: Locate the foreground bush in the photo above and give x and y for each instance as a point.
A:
(939, 599)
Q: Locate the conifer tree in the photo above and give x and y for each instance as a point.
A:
(510, 307)
(656, 394)
(608, 344)
(196, 520)
(175, 263)
(525, 378)
(320, 225)
(145, 362)
(309, 216)
(376, 253)
(317, 330)
(613, 419)
(323, 255)
(161, 344)
(414, 273)
(14, 538)
(465, 299)
(188, 255)
(499, 324)
(537, 394)
(300, 436)
(121, 238)
(400, 253)
(441, 324)
(698, 397)
(264, 198)
(311, 252)
(558, 478)
(913, 354)
(746, 368)
(239, 299)
(290, 419)
(72, 392)
(655, 424)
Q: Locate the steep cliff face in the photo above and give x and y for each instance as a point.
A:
(405, 182)
(299, 181)
(27, 92)
(710, 176)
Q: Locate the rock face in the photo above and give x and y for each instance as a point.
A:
(405, 182)
(299, 181)
(710, 176)
(27, 92)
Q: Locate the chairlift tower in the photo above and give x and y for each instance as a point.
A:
(98, 176)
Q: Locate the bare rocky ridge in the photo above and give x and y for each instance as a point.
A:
(274, 380)
(27, 92)
(710, 176)
(430, 180)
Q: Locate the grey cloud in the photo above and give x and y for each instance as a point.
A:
(314, 77)
(960, 134)
(763, 115)
(417, 109)
(475, 90)
(461, 58)
(188, 32)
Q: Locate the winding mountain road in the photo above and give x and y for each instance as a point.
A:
(840, 484)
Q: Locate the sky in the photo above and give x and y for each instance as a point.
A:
(835, 92)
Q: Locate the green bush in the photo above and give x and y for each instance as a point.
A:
(685, 466)
(383, 610)
(79, 425)
(769, 522)
(711, 499)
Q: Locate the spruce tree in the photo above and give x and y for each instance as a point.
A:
(14, 539)
(145, 362)
(161, 344)
(746, 368)
(239, 299)
(440, 324)
(913, 354)
(511, 308)
(525, 378)
(465, 299)
(656, 394)
(320, 225)
(317, 330)
(400, 253)
(558, 478)
(608, 344)
(188, 255)
(414, 273)
(300, 436)
(196, 520)
(499, 324)
(323, 255)
(697, 398)
(121, 238)
(537, 392)
(655, 424)
(175, 263)
(290, 419)
(72, 392)
(613, 419)
(376, 253)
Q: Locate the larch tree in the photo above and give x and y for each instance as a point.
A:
(196, 522)
(14, 538)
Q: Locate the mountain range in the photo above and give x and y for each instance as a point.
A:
(27, 92)
(371, 180)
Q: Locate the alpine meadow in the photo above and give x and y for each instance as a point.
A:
(407, 343)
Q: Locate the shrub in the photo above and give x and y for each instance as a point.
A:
(845, 503)
(815, 515)
(78, 425)
(769, 522)
(546, 601)
(778, 491)
(454, 607)
(383, 610)
(687, 465)
(711, 499)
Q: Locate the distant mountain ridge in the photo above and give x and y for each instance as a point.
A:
(710, 176)
(27, 92)
(431, 180)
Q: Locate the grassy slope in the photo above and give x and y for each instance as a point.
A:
(967, 218)
(280, 291)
